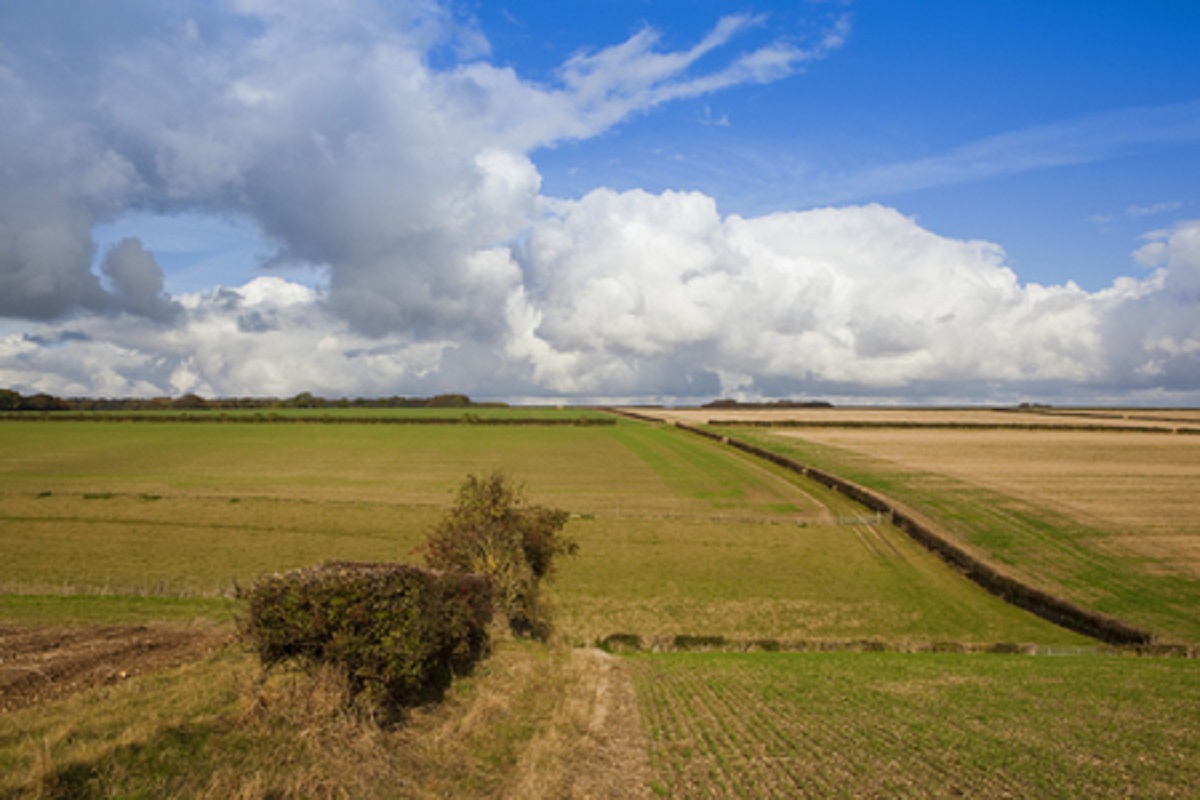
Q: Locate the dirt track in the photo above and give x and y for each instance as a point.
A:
(40, 664)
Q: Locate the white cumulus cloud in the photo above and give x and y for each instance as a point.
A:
(375, 145)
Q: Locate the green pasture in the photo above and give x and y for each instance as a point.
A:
(928, 725)
(677, 535)
(1055, 551)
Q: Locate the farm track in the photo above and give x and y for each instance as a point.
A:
(874, 541)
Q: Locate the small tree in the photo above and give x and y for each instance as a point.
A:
(491, 530)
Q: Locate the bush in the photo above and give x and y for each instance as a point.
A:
(397, 633)
(490, 530)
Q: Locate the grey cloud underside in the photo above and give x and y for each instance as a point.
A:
(413, 189)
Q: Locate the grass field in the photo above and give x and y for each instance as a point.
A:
(466, 414)
(891, 725)
(678, 535)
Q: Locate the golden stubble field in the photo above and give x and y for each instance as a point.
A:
(1143, 489)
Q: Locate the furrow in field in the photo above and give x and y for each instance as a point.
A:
(795, 751)
(660, 723)
(709, 729)
(817, 744)
(683, 749)
(760, 760)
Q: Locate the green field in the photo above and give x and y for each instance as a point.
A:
(679, 536)
(889, 725)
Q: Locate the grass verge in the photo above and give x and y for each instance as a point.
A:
(218, 728)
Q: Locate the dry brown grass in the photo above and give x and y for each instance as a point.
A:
(592, 745)
(534, 721)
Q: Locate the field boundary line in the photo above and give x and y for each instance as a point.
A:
(1053, 609)
(628, 643)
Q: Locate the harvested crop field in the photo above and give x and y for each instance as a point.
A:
(1138, 486)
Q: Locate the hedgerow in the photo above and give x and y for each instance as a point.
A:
(493, 531)
(397, 633)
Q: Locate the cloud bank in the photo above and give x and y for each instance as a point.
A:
(381, 147)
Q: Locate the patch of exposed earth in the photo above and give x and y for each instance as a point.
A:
(40, 664)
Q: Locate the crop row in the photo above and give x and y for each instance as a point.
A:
(773, 725)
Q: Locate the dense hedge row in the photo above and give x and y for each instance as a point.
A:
(396, 632)
(634, 643)
(1045, 605)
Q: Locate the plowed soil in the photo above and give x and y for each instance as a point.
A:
(40, 664)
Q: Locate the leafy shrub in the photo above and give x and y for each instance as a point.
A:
(397, 633)
(491, 530)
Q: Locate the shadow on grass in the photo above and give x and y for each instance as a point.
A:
(160, 767)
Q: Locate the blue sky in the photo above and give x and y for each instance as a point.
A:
(916, 202)
(917, 84)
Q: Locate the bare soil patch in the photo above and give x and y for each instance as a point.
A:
(40, 664)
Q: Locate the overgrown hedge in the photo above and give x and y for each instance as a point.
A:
(396, 632)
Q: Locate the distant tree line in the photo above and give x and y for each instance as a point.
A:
(780, 404)
(14, 401)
